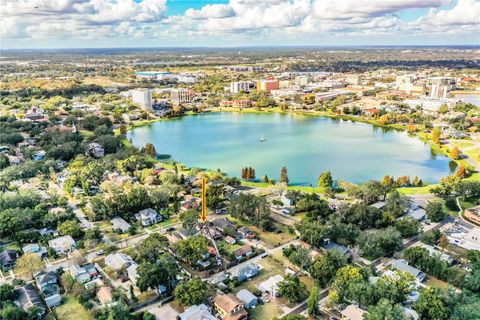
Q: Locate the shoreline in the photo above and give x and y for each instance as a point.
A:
(260, 184)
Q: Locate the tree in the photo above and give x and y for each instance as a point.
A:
(312, 302)
(119, 311)
(396, 203)
(292, 289)
(385, 310)
(436, 211)
(29, 264)
(407, 226)
(380, 243)
(324, 267)
(152, 275)
(417, 182)
(284, 175)
(215, 196)
(294, 317)
(151, 249)
(7, 293)
(70, 227)
(431, 305)
(12, 312)
(436, 134)
(123, 130)
(189, 220)
(150, 150)
(192, 248)
(461, 172)
(252, 208)
(325, 180)
(265, 179)
(455, 153)
(191, 292)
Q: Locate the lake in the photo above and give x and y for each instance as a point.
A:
(306, 145)
(470, 98)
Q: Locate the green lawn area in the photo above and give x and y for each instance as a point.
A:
(463, 144)
(71, 309)
(265, 312)
(416, 190)
(222, 244)
(473, 153)
(436, 283)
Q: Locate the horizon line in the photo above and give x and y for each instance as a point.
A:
(254, 46)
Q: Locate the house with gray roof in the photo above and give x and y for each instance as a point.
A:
(248, 298)
(8, 258)
(36, 249)
(148, 216)
(120, 224)
(28, 297)
(62, 245)
(402, 265)
(48, 284)
(197, 312)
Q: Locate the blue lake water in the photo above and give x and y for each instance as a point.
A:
(306, 145)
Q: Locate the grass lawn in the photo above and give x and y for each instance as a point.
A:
(463, 144)
(71, 309)
(271, 239)
(436, 283)
(265, 312)
(473, 153)
(222, 244)
(416, 190)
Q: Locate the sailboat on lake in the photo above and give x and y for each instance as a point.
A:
(262, 138)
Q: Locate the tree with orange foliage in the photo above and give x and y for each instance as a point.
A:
(461, 172)
(455, 153)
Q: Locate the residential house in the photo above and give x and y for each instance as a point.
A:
(245, 233)
(83, 274)
(401, 264)
(222, 224)
(39, 155)
(118, 261)
(104, 295)
(329, 245)
(35, 248)
(95, 150)
(62, 245)
(197, 312)
(28, 297)
(379, 205)
(229, 307)
(120, 224)
(270, 285)
(445, 257)
(230, 240)
(47, 282)
(243, 252)
(248, 298)
(8, 258)
(132, 272)
(352, 312)
(416, 212)
(147, 217)
(247, 272)
(287, 201)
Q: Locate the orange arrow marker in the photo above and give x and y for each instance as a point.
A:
(204, 201)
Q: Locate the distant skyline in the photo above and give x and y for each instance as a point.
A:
(236, 23)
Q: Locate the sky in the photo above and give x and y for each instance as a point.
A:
(236, 23)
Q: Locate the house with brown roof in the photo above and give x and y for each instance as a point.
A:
(229, 307)
(104, 295)
(243, 252)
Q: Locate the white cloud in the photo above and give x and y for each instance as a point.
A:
(269, 20)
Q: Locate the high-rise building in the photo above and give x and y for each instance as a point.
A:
(267, 85)
(236, 87)
(143, 97)
(182, 95)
